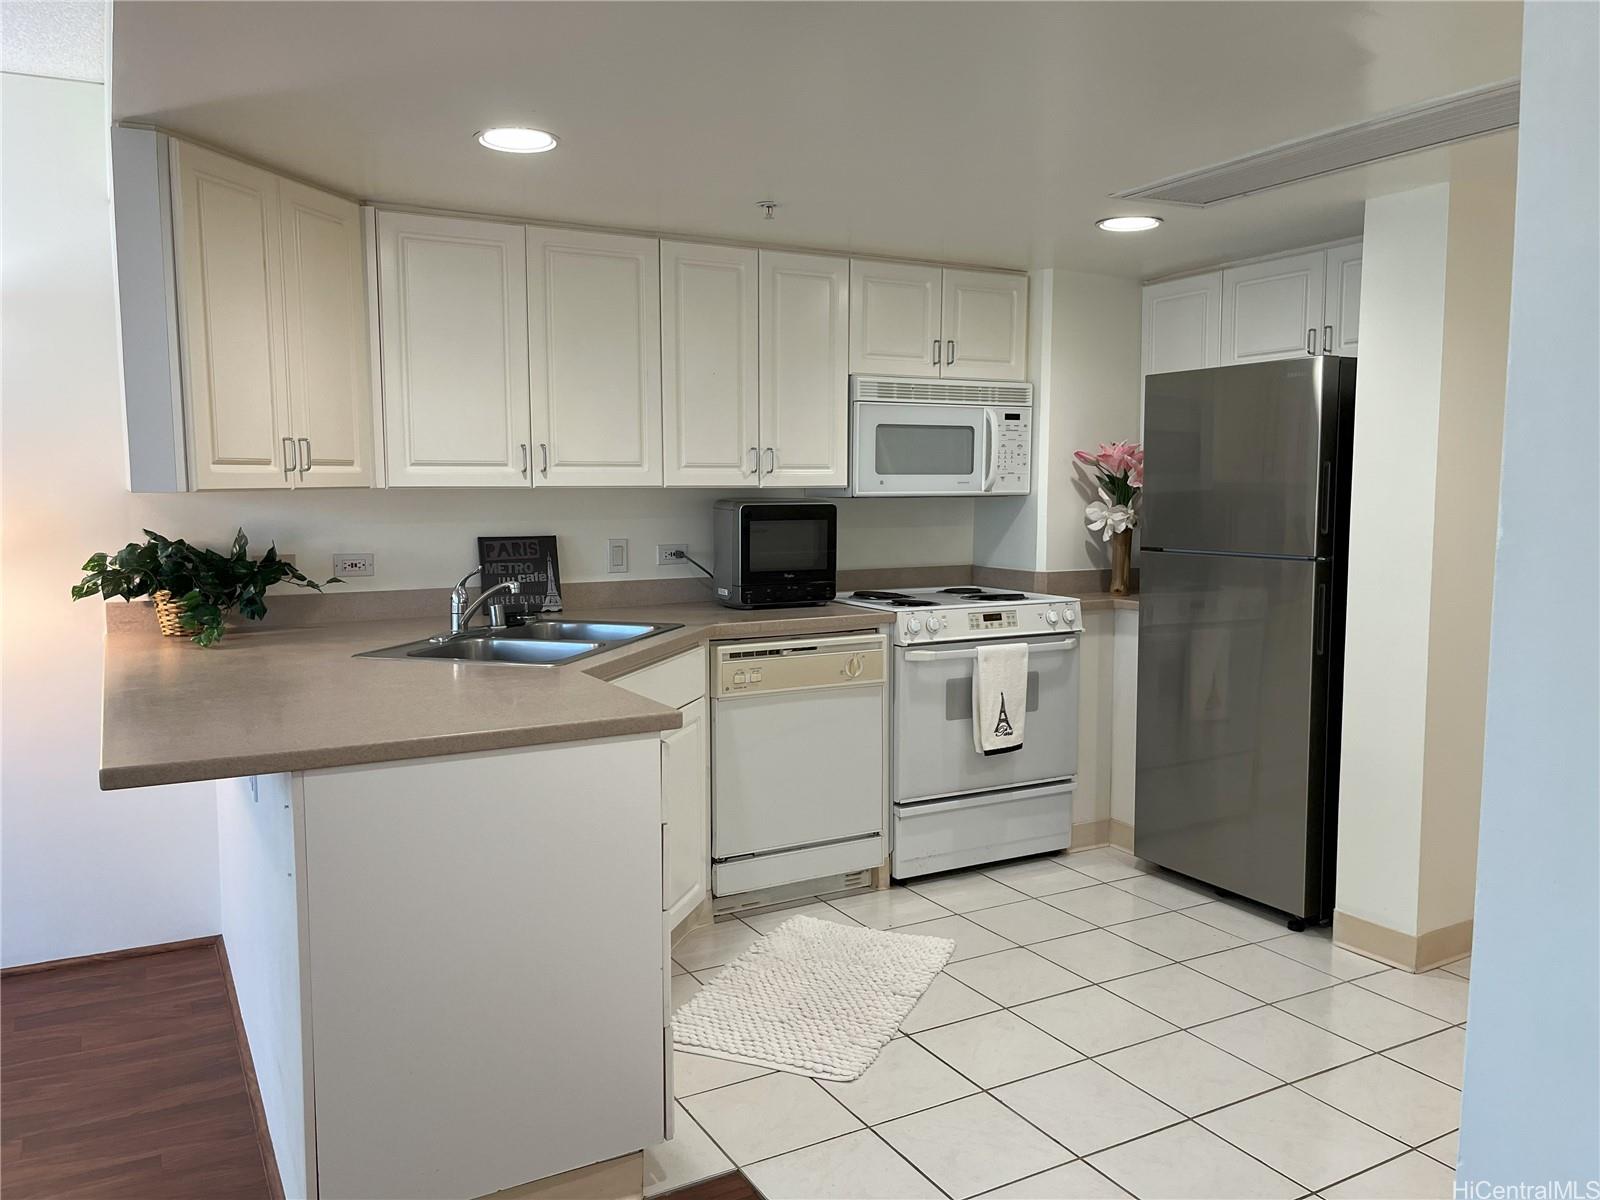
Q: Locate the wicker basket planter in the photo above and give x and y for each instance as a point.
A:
(169, 614)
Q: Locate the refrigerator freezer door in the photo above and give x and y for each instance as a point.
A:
(1231, 696)
(1237, 458)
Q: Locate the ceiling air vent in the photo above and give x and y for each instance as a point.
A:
(1484, 110)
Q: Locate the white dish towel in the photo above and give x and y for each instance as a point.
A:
(999, 697)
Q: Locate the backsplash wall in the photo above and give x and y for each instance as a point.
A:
(428, 538)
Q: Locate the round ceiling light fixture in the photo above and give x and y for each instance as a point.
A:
(1127, 224)
(517, 139)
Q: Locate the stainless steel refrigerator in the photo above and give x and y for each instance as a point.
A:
(1241, 626)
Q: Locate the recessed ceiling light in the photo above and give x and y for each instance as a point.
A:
(1127, 224)
(516, 139)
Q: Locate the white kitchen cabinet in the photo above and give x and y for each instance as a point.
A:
(229, 296)
(896, 315)
(1273, 309)
(594, 349)
(985, 325)
(685, 780)
(325, 335)
(710, 384)
(805, 369)
(1341, 312)
(452, 298)
(686, 799)
(481, 938)
(272, 336)
(1182, 326)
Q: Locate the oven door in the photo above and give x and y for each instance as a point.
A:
(903, 449)
(932, 718)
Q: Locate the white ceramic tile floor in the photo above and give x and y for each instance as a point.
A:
(1177, 936)
(1074, 1181)
(1029, 921)
(858, 1166)
(1104, 904)
(1040, 877)
(766, 922)
(971, 940)
(904, 1079)
(1410, 1177)
(1461, 967)
(1015, 976)
(991, 1093)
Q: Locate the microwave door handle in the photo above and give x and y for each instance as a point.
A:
(991, 449)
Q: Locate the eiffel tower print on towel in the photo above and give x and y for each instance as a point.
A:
(1002, 726)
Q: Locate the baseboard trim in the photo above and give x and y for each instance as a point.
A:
(1122, 835)
(1416, 954)
(258, 1109)
(615, 1179)
(1086, 835)
(109, 955)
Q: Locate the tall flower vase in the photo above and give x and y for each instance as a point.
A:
(1121, 555)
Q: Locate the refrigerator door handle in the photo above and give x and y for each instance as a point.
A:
(1325, 499)
(1322, 619)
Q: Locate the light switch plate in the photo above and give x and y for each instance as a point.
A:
(617, 556)
(348, 565)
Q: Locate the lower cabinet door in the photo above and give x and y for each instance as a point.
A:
(686, 794)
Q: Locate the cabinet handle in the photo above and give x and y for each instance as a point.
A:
(304, 455)
(1327, 339)
(772, 460)
(544, 458)
(936, 352)
(950, 353)
(1311, 341)
(755, 461)
(523, 446)
(290, 459)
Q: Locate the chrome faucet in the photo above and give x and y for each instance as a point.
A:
(461, 612)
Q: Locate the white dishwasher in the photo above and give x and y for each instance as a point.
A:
(799, 775)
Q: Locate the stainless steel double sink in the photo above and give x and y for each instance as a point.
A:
(537, 644)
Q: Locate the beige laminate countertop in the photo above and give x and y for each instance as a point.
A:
(292, 698)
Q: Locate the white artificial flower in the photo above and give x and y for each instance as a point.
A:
(1101, 514)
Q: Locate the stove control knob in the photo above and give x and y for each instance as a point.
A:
(914, 624)
(1050, 617)
(934, 624)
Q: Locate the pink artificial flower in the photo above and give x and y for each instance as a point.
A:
(1084, 456)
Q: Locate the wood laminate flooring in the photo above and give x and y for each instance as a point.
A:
(122, 1078)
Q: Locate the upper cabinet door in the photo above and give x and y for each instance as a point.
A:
(454, 319)
(230, 297)
(709, 380)
(1273, 309)
(805, 370)
(1341, 316)
(1182, 327)
(325, 333)
(985, 325)
(895, 315)
(594, 342)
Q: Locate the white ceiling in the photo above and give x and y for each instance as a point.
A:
(965, 132)
(63, 39)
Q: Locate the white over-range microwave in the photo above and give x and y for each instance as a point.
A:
(939, 437)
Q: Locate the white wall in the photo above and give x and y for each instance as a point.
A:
(1531, 1106)
(1084, 361)
(86, 871)
(83, 870)
(1391, 555)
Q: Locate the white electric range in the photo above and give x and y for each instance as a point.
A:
(951, 806)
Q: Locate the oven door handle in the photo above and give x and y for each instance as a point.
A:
(991, 448)
(933, 655)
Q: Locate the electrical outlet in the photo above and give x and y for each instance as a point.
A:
(672, 555)
(617, 556)
(347, 565)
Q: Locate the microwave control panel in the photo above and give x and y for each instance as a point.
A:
(1012, 451)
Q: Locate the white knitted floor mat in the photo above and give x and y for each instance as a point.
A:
(812, 997)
